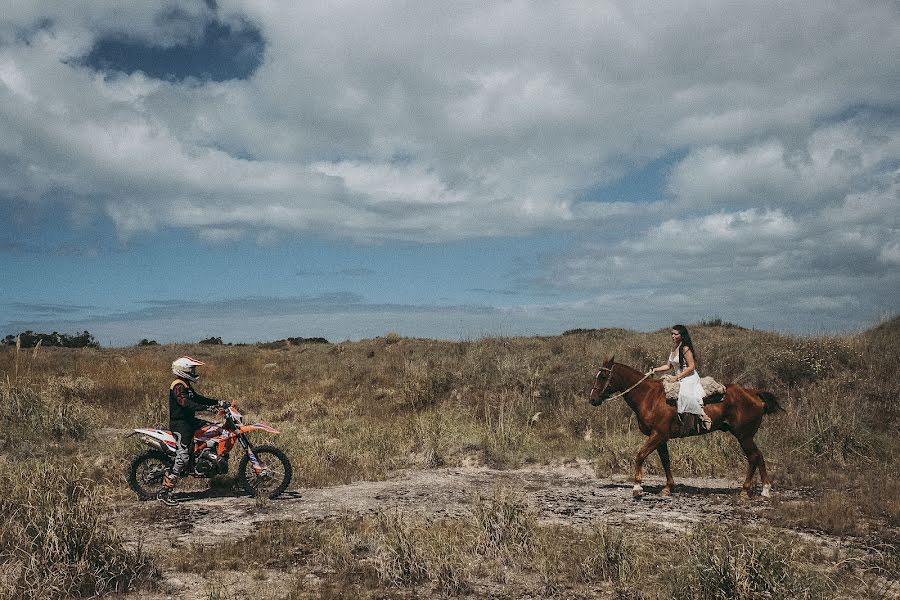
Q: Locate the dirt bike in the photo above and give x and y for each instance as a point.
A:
(262, 471)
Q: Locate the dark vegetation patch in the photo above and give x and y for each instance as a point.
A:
(31, 339)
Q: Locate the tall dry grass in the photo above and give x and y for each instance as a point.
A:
(362, 410)
(56, 540)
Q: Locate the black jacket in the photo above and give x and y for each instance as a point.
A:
(184, 401)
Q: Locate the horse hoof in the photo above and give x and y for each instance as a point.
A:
(666, 491)
(744, 495)
(637, 491)
(766, 491)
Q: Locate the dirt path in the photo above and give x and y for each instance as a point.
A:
(569, 494)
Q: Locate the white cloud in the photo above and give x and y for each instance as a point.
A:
(762, 267)
(448, 121)
(380, 183)
(506, 109)
(890, 253)
(823, 167)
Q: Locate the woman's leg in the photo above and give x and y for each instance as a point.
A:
(690, 396)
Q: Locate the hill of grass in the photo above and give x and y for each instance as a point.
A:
(362, 410)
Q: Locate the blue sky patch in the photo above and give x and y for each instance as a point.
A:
(224, 52)
(647, 183)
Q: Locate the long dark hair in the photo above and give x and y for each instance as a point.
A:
(686, 342)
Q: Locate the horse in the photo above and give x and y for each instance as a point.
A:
(739, 412)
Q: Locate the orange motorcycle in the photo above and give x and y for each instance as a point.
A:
(262, 471)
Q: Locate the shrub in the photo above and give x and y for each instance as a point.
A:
(399, 556)
(608, 555)
(504, 524)
(717, 322)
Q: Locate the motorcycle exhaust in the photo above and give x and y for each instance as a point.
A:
(153, 443)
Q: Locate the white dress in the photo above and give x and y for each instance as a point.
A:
(690, 392)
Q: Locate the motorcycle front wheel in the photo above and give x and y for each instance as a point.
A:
(274, 477)
(145, 476)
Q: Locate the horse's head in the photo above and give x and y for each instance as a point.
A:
(601, 390)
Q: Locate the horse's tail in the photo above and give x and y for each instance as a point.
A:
(770, 402)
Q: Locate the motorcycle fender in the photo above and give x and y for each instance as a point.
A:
(257, 427)
(157, 439)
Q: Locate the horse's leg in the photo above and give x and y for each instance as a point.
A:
(643, 453)
(754, 460)
(764, 477)
(663, 452)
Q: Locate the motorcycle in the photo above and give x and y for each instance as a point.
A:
(262, 471)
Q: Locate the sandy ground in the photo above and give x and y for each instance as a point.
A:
(566, 494)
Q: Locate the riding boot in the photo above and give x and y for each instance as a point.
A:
(165, 494)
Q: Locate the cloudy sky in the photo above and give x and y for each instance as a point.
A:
(255, 170)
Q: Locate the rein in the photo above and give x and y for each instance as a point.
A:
(617, 394)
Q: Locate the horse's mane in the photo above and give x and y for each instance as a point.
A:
(632, 369)
(638, 374)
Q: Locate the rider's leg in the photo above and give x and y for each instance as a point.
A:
(183, 433)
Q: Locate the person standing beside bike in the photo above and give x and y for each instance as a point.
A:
(184, 403)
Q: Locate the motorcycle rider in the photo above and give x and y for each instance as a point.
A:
(184, 402)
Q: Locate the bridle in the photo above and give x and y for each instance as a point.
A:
(606, 385)
(608, 379)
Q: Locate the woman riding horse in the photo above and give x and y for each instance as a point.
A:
(683, 360)
(740, 412)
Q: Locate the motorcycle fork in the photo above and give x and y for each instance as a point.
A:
(248, 448)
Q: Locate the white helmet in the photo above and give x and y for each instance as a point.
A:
(186, 368)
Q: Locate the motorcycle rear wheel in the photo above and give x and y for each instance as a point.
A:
(277, 469)
(145, 475)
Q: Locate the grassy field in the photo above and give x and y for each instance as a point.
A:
(362, 410)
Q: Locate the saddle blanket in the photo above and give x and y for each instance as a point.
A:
(710, 387)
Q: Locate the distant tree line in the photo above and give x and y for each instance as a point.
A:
(293, 341)
(30, 339)
(717, 322)
(217, 341)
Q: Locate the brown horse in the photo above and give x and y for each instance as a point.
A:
(740, 412)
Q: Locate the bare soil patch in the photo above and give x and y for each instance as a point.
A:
(569, 494)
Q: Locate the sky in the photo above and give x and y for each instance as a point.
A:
(252, 170)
